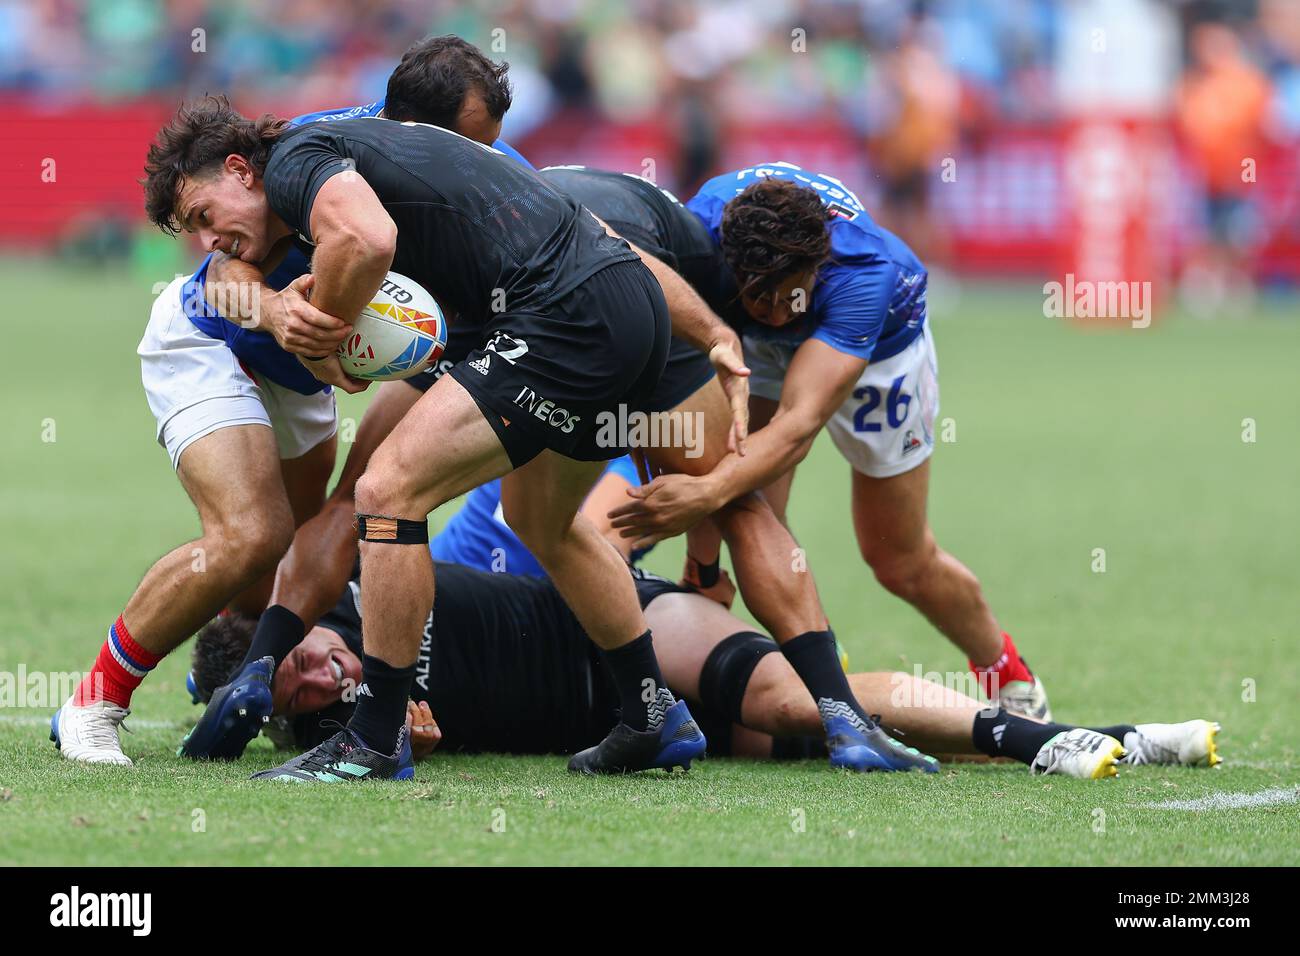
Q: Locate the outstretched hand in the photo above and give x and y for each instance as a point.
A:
(425, 734)
(667, 506)
(734, 375)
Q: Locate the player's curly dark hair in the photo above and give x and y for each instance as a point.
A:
(197, 140)
(218, 651)
(771, 231)
(430, 83)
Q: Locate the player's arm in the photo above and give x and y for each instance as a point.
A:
(237, 290)
(696, 323)
(818, 382)
(355, 241)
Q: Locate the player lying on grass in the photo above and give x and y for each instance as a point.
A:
(833, 313)
(783, 598)
(504, 666)
(217, 377)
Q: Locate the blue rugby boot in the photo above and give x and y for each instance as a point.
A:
(345, 758)
(675, 743)
(234, 715)
(193, 688)
(858, 744)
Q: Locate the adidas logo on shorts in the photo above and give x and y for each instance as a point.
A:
(480, 365)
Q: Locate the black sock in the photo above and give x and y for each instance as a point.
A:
(816, 660)
(278, 632)
(632, 666)
(708, 573)
(1006, 735)
(1118, 731)
(381, 703)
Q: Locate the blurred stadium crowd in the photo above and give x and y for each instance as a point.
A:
(885, 88)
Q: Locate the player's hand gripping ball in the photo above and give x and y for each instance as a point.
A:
(401, 333)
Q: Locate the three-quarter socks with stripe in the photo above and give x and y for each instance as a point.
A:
(816, 660)
(644, 697)
(121, 665)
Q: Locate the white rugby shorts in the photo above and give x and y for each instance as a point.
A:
(195, 386)
(886, 425)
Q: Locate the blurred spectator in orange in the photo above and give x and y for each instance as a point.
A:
(919, 98)
(1222, 107)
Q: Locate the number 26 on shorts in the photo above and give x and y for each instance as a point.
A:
(896, 406)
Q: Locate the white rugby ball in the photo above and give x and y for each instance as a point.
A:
(401, 333)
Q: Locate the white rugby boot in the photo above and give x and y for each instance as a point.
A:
(1189, 744)
(1080, 753)
(89, 734)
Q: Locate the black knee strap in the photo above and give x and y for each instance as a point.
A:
(728, 668)
(385, 530)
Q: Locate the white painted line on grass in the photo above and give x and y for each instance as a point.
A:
(1225, 800)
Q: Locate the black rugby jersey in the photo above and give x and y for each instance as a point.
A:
(480, 232)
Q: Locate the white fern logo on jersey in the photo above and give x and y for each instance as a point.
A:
(507, 347)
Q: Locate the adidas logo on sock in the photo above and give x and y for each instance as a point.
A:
(480, 365)
(998, 731)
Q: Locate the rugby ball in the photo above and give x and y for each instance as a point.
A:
(401, 333)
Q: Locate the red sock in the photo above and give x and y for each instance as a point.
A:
(121, 665)
(1007, 668)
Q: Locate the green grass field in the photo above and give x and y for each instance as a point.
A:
(1066, 441)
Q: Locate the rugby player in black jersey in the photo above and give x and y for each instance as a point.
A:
(784, 599)
(573, 325)
(505, 667)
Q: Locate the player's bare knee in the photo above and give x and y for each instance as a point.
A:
(250, 544)
(386, 492)
(369, 497)
(901, 574)
(388, 488)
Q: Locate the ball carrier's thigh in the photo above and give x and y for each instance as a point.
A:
(442, 448)
(762, 549)
(540, 501)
